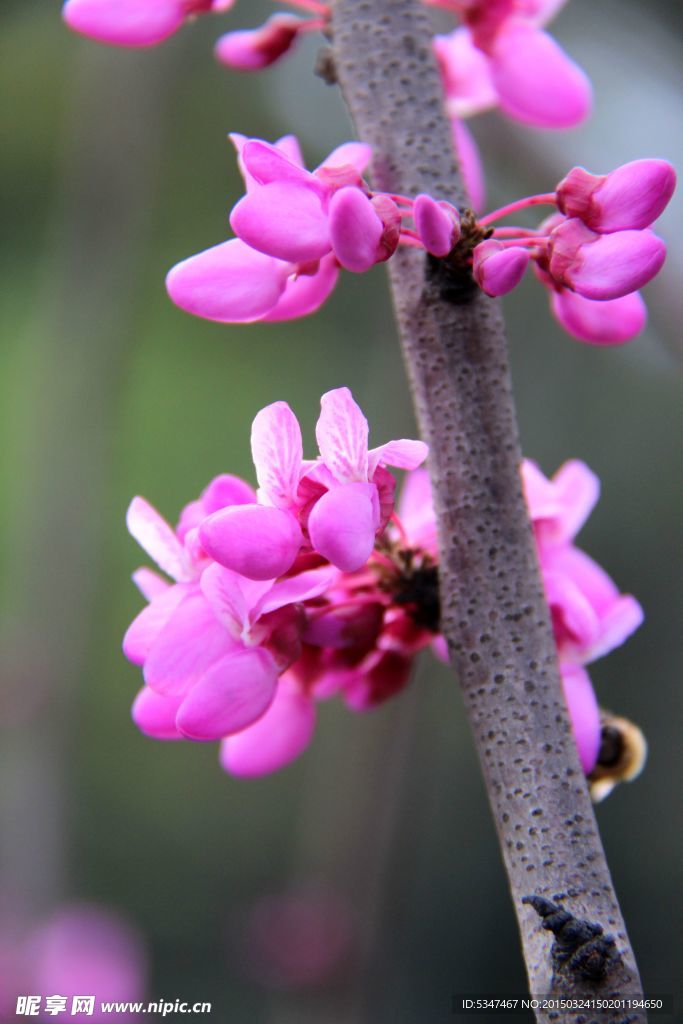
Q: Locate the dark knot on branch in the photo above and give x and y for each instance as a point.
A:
(580, 947)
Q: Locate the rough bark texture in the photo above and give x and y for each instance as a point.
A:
(494, 613)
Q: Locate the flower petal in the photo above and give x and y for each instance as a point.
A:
(616, 264)
(342, 434)
(230, 283)
(471, 167)
(277, 451)
(155, 715)
(466, 74)
(296, 589)
(145, 628)
(267, 164)
(258, 541)
(126, 22)
(253, 49)
(402, 454)
(610, 322)
(343, 523)
(149, 583)
(349, 154)
(355, 229)
(276, 739)
(284, 220)
(306, 293)
(236, 691)
(157, 538)
(584, 713)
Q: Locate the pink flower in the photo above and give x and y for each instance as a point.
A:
(437, 225)
(630, 198)
(498, 268)
(254, 49)
(559, 506)
(134, 22)
(584, 713)
(610, 322)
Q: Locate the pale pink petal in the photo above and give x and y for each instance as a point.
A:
(190, 642)
(284, 220)
(536, 81)
(149, 583)
(615, 264)
(466, 74)
(355, 229)
(295, 589)
(124, 22)
(258, 541)
(437, 227)
(235, 691)
(416, 510)
(146, 627)
(289, 145)
(600, 323)
(621, 619)
(471, 167)
(305, 293)
(268, 164)
(155, 715)
(578, 489)
(231, 597)
(342, 434)
(349, 154)
(276, 739)
(277, 451)
(158, 539)
(253, 49)
(575, 621)
(343, 524)
(584, 713)
(403, 454)
(230, 283)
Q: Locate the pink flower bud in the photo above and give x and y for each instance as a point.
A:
(355, 229)
(388, 212)
(258, 48)
(630, 198)
(125, 23)
(603, 266)
(438, 225)
(497, 269)
(611, 322)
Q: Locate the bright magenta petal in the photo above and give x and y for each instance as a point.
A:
(277, 739)
(253, 49)
(402, 454)
(268, 164)
(616, 264)
(600, 323)
(284, 220)
(584, 713)
(471, 166)
(230, 283)
(124, 22)
(155, 715)
(343, 523)
(355, 229)
(146, 627)
(236, 691)
(466, 74)
(306, 293)
(258, 541)
(342, 433)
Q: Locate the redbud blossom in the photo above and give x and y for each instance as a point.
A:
(437, 224)
(253, 49)
(134, 22)
(498, 269)
(631, 197)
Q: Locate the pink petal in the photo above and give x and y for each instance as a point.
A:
(190, 642)
(306, 293)
(497, 268)
(284, 220)
(146, 627)
(149, 583)
(438, 228)
(610, 322)
(277, 451)
(539, 12)
(155, 715)
(343, 524)
(342, 434)
(230, 283)
(466, 74)
(257, 541)
(403, 454)
(416, 510)
(236, 691)
(575, 621)
(251, 50)
(271, 164)
(471, 166)
(296, 589)
(355, 229)
(277, 739)
(584, 713)
(615, 264)
(124, 22)
(618, 622)
(349, 154)
(225, 490)
(157, 538)
(578, 489)
(629, 198)
(536, 81)
(232, 598)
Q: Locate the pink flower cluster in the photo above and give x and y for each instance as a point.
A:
(295, 229)
(314, 586)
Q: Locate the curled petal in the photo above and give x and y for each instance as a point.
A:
(283, 219)
(536, 81)
(277, 451)
(125, 22)
(235, 692)
(438, 227)
(584, 713)
(306, 293)
(343, 523)
(610, 322)
(268, 164)
(155, 715)
(257, 541)
(497, 268)
(230, 283)
(403, 454)
(251, 50)
(342, 434)
(276, 739)
(355, 229)
(156, 537)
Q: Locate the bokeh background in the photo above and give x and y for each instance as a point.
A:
(363, 883)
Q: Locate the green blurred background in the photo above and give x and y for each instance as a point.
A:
(115, 165)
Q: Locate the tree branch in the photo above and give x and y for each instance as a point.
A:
(494, 614)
